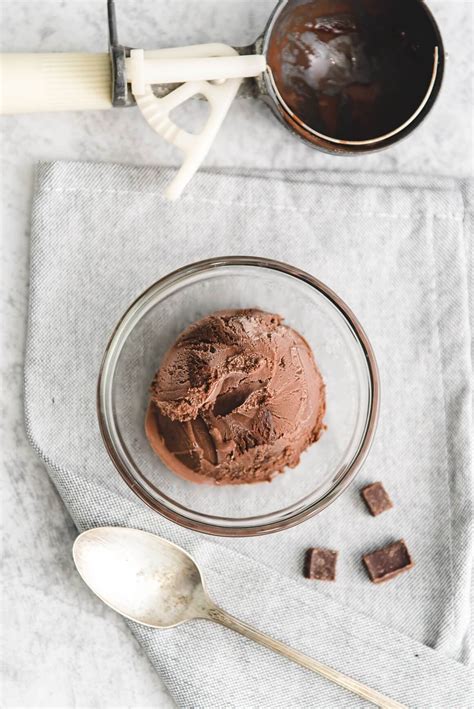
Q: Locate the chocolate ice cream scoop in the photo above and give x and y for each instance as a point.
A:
(237, 398)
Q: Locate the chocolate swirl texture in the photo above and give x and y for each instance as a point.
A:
(238, 398)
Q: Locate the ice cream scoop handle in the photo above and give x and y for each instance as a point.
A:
(371, 695)
(33, 83)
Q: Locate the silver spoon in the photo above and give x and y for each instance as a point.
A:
(156, 583)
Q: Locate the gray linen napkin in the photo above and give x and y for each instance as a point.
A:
(395, 250)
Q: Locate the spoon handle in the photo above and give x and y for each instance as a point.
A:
(371, 695)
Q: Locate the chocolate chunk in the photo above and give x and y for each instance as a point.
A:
(376, 498)
(388, 562)
(320, 564)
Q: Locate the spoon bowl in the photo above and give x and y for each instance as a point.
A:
(141, 576)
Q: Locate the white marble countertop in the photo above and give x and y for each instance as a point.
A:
(61, 646)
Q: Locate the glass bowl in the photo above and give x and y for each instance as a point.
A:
(342, 352)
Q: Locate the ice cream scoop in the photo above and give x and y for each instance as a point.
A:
(237, 399)
(346, 76)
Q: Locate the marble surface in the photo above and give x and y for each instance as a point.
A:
(60, 646)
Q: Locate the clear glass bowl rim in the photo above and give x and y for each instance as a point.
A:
(180, 276)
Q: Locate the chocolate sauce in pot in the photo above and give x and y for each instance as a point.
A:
(352, 69)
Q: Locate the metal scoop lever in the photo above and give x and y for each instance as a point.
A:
(190, 65)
